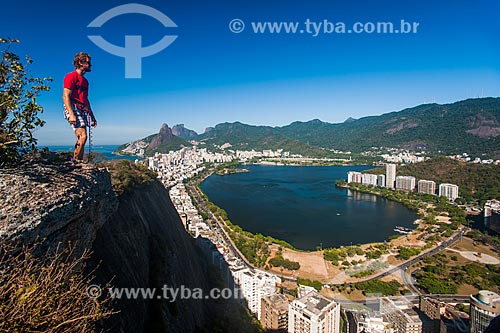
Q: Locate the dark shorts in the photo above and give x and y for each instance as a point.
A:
(81, 117)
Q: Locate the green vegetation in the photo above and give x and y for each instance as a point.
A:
(377, 287)
(125, 175)
(440, 274)
(254, 247)
(406, 253)
(334, 255)
(434, 284)
(363, 273)
(229, 168)
(483, 238)
(19, 109)
(279, 261)
(311, 283)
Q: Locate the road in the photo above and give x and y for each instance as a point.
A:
(200, 202)
(403, 267)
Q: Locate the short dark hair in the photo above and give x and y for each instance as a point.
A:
(80, 57)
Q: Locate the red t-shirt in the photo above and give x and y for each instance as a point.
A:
(78, 85)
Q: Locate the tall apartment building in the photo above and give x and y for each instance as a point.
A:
(381, 180)
(390, 175)
(255, 284)
(449, 191)
(426, 186)
(354, 177)
(433, 309)
(483, 308)
(369, 179)
(274, 313)
(313, 313)
(406, 183)
(404, 317)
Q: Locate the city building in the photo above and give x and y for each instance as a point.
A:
(364, 322)
(483, 308)
(354, 321)
(426, 186)
(255, 284)
(405, 183)
(274, 313)
(313, 313)
(492, 215)
(390, 175)
(404, 317)
(381, 180)
(354, 177)
(449, 191)
(433, 309)
(369, 179)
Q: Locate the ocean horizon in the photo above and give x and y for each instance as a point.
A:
(105, 150)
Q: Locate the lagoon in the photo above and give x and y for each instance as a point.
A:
(302, 205)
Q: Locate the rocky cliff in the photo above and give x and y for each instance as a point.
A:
(137, 241)
(163, 142)
(163, 136)
(184, 133)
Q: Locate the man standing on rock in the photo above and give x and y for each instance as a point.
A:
(77, 108)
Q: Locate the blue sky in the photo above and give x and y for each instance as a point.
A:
(210, 75)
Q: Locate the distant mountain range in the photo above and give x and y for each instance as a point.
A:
(471, 126)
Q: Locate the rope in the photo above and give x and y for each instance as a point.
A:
(89, 122)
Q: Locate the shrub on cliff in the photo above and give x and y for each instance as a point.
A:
(125, 175)
(18, 106)
(47, 293)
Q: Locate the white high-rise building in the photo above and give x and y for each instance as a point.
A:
(483, 308)
(390, 175)
(255, 284)
(427, 186)
(369, 179)
(354, 177)
(406, 183)
(313, 313)
(448, 190)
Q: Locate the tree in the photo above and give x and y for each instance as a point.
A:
(18, 106)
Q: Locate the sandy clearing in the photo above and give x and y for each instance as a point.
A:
(477, 257)
(310, 262)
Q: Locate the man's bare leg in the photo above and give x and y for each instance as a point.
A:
(81, 139)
